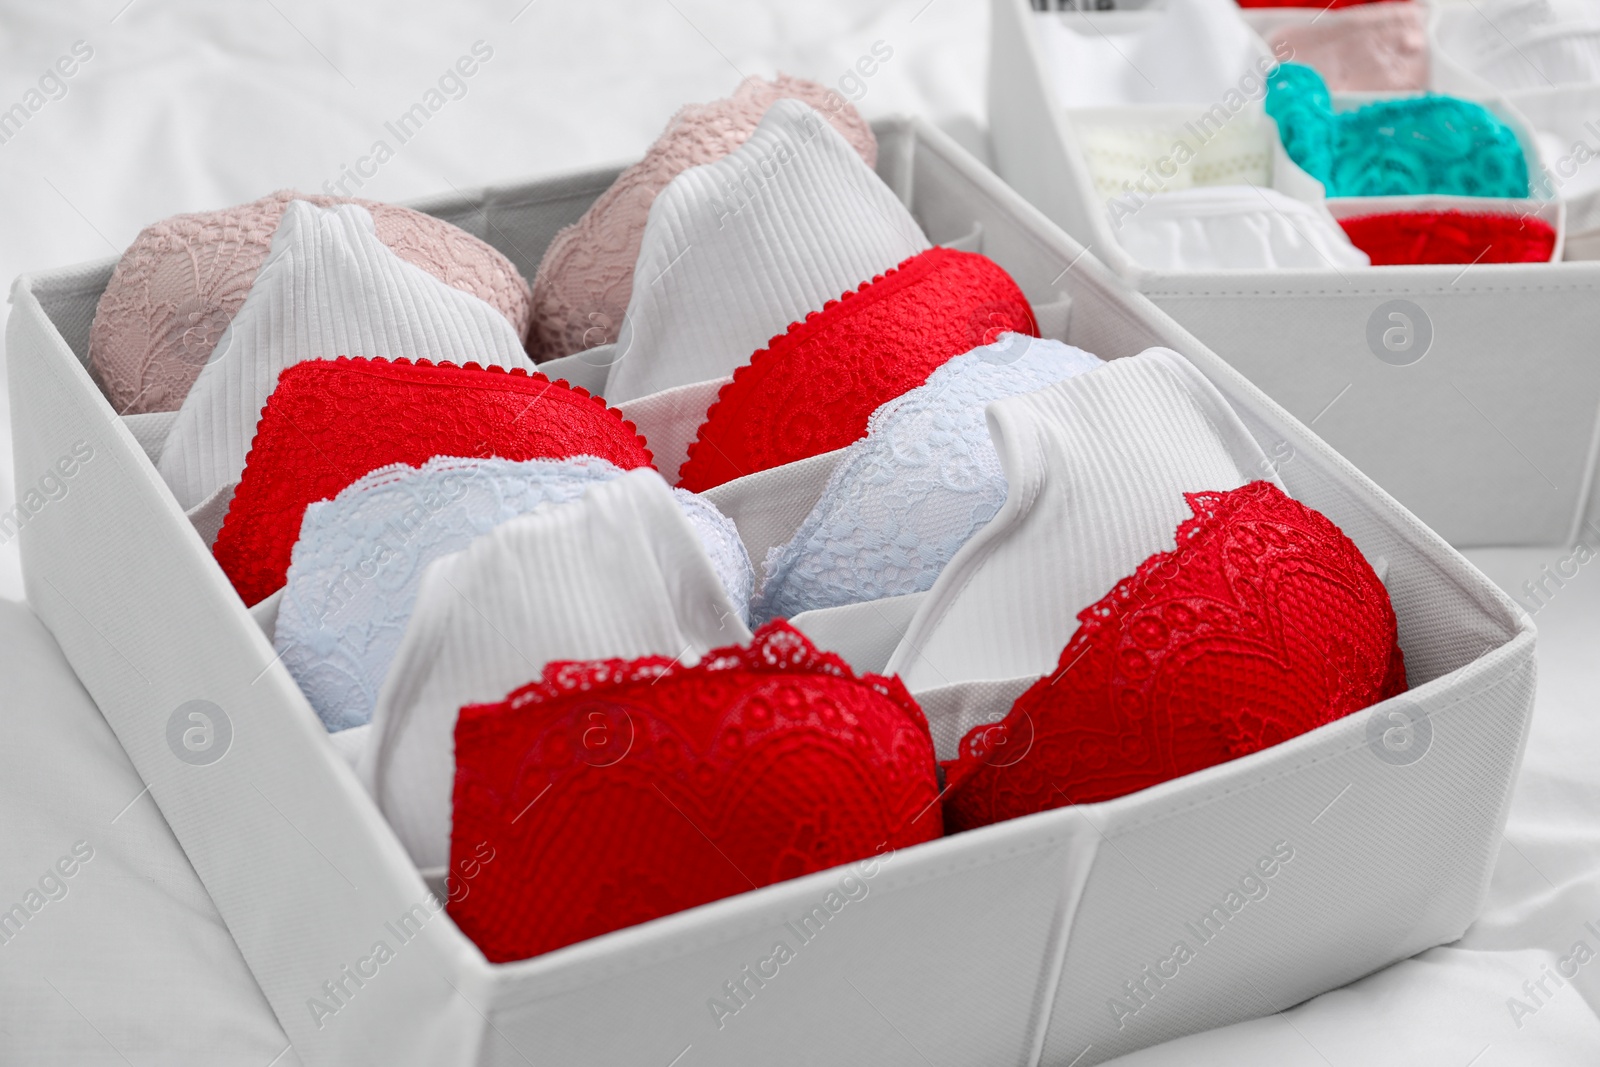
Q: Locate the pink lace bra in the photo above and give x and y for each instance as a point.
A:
(585, 279)
(183, 279)
(1367, 48)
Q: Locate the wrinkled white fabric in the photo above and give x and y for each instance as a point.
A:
(1522, 44)
(1566, 130)
(1096, 467)
(1233, 227)
(618, 572)
(361, 556)
(1193, 51)
(909, 494)
(327, 288)
(738, 249)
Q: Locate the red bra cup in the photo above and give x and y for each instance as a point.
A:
(329, 422)
(1313, 3)
(1264, 623)
(1451, 237)
(614, 792)
(812, 389)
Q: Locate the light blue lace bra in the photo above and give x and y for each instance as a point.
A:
(359, 561)
(909, 494)
(1419, 144)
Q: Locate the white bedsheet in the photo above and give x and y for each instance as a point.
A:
(186, 106)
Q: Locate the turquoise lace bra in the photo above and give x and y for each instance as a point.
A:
(1420, 144)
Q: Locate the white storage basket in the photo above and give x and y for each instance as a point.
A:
(1483, 414)
(1007, 945)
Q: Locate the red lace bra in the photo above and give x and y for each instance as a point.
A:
(614, 792)
(1308, 3)
(1451, 237)
(329, 422)
(812, 389)
(1265, 622)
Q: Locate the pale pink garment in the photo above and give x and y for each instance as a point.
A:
(583, 283)
(1378, 47)
(180, 283)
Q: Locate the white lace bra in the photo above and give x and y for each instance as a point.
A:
(909, 494)
(1130, 156)
(1097, 467)
(357, 566)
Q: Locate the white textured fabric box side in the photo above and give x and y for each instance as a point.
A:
(296, 857)
(1489, 433)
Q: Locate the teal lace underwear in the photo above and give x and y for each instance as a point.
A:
(1421, 144)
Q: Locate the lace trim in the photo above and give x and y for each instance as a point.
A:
(670, 787)
(904, 499)
(254, 545)
(1263, 623)
(776, 648)
(968, 301)
(582, 286)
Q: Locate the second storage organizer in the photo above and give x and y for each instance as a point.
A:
(1470, 392)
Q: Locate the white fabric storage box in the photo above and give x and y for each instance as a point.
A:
(1484, 423)
(1005, 945)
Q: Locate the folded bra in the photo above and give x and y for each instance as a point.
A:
(1335, 4)
(1378, 47)
(329, 287)
(737, 249)
(331, 421)
(1096, 469)
(1265, 622)
(1193, 51)
(617, 791)
(618, 572)
(908, 495)
(182, 281)
(585, 279)
(360, 558)
(1233, 227)
(813, 388)
(1451, 237)
(1235, 617)
(1129, 159)
(1416, 145)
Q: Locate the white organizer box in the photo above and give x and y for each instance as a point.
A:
(1485, 422)
(1007, 945)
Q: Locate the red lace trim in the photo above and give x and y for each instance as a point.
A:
(329, 422)
(813, 388)
(1451, 237)
(1264, 623)
(1309, 3)
(615, 792)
